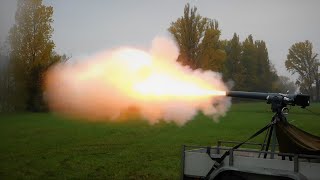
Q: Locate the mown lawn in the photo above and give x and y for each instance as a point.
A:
(46, 146)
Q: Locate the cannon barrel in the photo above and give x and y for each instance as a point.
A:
(302, 100)
(248, 95)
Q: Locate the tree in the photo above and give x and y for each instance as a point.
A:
(302, 60)
(31, 52)
(198, 41)
(248, 65)
(249, 62)
(264, 73)
(211, 55)
(234, 69)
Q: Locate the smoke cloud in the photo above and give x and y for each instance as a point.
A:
(124, 82)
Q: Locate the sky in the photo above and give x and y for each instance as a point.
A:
(83, 27)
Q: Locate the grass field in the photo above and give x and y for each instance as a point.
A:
(44, 146)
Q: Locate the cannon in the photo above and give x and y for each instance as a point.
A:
(278, 101)
(302, 100)
(301, 148)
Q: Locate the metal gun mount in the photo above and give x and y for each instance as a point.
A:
(278, 101)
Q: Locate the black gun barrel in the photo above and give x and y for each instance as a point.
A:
(249, 95)
(302, 100)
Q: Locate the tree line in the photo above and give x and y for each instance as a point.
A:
(246, 63)
(29, 52)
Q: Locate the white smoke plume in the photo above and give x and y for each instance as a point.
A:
(152, 84)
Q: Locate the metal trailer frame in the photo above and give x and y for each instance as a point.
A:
(247, 164)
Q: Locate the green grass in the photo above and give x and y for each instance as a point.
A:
(45, 146)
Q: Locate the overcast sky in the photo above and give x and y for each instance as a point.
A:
(84, 27)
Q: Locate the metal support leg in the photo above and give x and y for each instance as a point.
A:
(264, 142)
(269, 139)
(273, 143)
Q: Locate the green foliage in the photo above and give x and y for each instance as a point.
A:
(31, 52)
(248, 65)
(44, 146)
(302, 60)
(264, 73)
(234, 68)
(198, 40)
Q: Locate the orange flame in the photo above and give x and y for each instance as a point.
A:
(108, 84)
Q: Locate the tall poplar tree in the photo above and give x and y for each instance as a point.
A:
(198, 41)
(234, 67)
(258, 72)
(249, 62)
(263, 71)
(31, 52)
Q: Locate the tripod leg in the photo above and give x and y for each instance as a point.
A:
(264, 142)
(273, 142)
(269, 139)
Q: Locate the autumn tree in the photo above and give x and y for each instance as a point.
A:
(211, 55)
(303, 61)
(31, 52)
(246, 63)
(198, 41)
